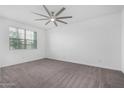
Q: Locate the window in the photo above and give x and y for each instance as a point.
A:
(22, 38)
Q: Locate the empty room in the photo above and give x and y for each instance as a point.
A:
(61, 46)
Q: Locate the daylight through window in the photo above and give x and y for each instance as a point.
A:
(22, 38)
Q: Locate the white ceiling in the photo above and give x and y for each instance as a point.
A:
(24, 13)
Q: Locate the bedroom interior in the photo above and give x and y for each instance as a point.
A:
(62, 46)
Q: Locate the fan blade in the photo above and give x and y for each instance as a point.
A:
(61, 21)
(40, 14)
(47, 10)
(40, 19)
(60, 11)
(47, 22)
(64, 17)
(55, 23)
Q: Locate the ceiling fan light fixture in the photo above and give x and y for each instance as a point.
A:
(52, 19)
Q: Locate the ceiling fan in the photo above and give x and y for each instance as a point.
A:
(52, 17)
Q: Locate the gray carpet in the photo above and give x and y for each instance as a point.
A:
(48, 73)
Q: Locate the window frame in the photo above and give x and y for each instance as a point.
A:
(25, 40)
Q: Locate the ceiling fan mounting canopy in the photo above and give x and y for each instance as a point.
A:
(52, 16)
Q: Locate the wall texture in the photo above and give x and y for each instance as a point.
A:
(122, 41)
(95, 42)
(11, 57)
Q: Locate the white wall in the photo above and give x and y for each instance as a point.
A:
(95, 42)
(11, 57)
(122, 41)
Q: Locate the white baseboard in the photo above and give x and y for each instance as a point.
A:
(6, 65)
(76, 62)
